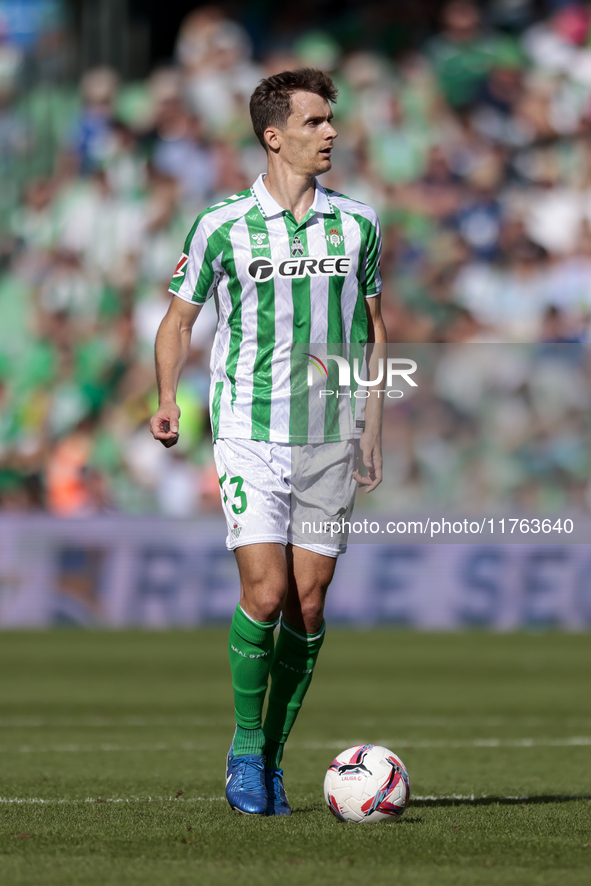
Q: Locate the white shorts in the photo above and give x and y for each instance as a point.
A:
(276, 492)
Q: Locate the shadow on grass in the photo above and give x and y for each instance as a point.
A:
(321, 807)
(434, 802)
(309, 807)
(501, 801)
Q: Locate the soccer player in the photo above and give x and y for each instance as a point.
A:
(287, 262)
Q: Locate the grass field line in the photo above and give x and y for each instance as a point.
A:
(106, 722)
(574, 741)
(57, 801)
(416, 798)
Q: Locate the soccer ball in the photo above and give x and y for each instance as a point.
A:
(367, 783)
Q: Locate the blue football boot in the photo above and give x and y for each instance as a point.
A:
(278, 803)
(245, 783)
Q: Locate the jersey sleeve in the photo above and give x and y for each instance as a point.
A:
(370, 277)
(194, 278)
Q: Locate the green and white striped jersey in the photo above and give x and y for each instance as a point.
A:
(280, 287)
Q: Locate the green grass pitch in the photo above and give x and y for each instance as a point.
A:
(112, 748)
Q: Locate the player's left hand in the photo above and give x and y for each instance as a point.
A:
(371, 452)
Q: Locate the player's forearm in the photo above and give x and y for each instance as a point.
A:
(172, 348)
(374, 405)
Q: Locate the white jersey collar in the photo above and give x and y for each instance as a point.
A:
(270, 207)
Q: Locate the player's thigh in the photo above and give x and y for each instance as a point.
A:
(254, 478)
(309, 572)
(323, 495)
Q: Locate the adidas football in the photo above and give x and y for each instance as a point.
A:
(367, 783)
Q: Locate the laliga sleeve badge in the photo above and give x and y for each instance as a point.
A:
(181, 267)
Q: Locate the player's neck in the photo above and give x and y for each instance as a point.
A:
(292, 191)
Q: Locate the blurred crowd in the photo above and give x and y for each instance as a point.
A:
(474, 148)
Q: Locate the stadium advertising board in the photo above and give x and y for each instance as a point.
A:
(120, 571)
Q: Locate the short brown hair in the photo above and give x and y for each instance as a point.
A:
(270, 103)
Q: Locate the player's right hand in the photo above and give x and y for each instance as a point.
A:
(164, 424)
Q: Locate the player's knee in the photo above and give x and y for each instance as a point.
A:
(310, 610)
(313, 615)
(264, 600)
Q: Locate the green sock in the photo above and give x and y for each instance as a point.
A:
(273, 754)
(251, 651)
(291, 674)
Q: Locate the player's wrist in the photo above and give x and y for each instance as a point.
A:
(372, 437)
(167, 403)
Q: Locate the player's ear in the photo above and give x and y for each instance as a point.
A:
(273, 139)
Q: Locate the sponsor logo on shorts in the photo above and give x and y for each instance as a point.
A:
(261, 269)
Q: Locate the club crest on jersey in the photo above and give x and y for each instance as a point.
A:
(335, 237)
(259, 240)
(181, 267)
(297, 247)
